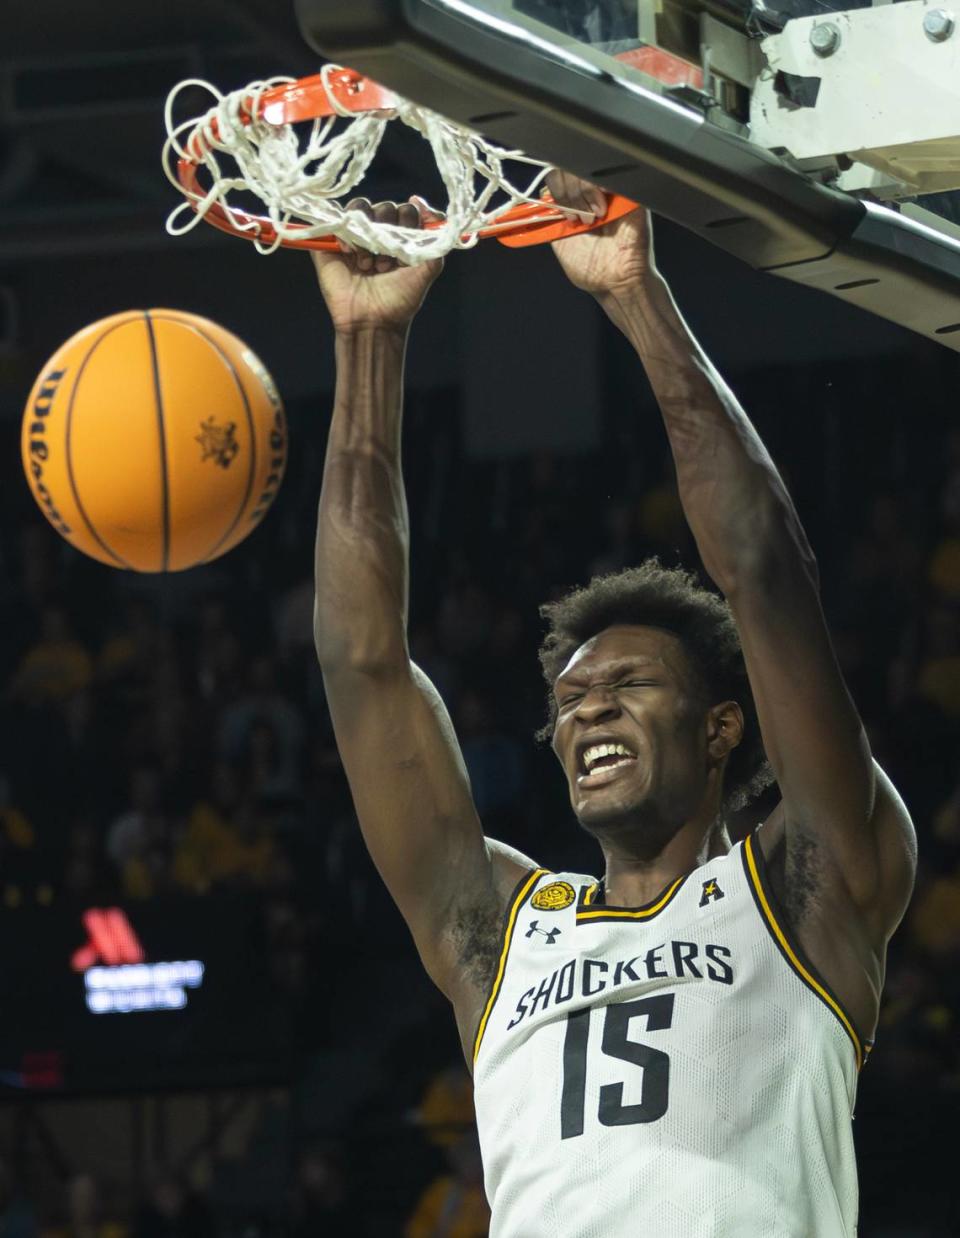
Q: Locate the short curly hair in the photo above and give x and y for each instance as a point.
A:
(670, 598)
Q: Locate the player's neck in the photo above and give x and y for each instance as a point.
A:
(632, 880)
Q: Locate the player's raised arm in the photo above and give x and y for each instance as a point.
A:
(396, 740)
(837, 805)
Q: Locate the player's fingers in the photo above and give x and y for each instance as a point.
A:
(363, 256)
(425, 212)
(414, 214)
(408, 216)
(385, 213)
(568, 190)
(362, 205)
(573, 191)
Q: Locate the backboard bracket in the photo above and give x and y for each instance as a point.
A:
(537, 92)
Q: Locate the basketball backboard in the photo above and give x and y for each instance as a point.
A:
(818, 141)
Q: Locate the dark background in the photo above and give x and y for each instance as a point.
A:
(175, 757)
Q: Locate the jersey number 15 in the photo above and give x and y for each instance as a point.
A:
(656, 1065)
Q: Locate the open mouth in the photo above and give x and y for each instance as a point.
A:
(601, 763)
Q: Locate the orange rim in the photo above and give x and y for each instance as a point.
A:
(308, 99)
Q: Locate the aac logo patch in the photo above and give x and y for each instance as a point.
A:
(554, 897)
(711, 893)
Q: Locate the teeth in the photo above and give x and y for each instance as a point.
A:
(592, 755)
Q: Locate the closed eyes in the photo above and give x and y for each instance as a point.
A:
(573, 697)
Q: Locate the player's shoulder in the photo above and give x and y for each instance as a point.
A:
(475, 929)
(516, 875)
(510, 867)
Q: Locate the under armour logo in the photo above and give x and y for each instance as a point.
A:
(550, 934)
(711, 891)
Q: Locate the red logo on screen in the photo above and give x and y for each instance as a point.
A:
(111, 940)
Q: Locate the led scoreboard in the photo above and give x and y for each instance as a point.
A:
(166, 993)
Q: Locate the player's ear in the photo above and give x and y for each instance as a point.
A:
(724, 729)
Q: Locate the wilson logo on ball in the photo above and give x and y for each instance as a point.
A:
(37, 447)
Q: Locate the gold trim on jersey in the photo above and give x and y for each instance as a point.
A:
(589, 911)
(524, 887)
(790, 952)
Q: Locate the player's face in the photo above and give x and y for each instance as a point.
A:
(630, 732)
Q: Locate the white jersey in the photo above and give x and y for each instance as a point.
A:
(678, 1070)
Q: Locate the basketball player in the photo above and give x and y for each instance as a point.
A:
(670, 1051)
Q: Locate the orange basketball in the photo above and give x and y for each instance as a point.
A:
(154, 440)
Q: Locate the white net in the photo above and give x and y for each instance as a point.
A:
(299, 177)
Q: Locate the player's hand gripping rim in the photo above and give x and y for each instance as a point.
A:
(364, 290)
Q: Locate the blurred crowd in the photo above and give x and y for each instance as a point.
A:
(167, 737)
(321, 1199)
(327, 1191)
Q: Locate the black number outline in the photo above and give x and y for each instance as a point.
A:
(655, 1064)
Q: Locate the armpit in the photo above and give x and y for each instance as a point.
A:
(477, 940)
(797, 874)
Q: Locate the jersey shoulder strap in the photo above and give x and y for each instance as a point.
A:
(544, 890)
